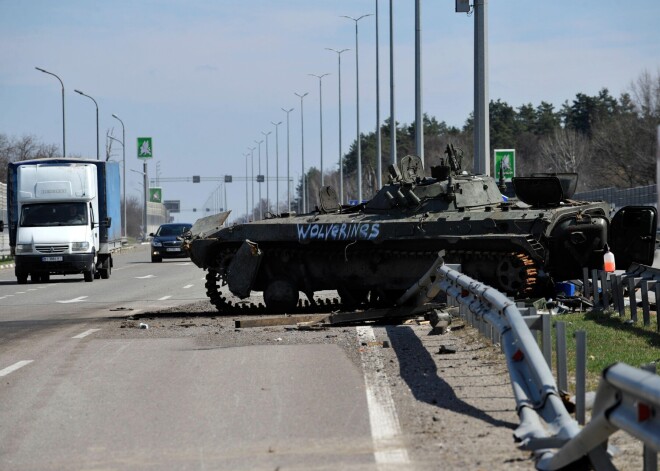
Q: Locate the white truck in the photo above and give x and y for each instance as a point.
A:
(64, 217)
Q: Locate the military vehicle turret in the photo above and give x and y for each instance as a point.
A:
(371, 252)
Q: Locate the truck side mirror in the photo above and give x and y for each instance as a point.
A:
(2, 226)
(108, 222)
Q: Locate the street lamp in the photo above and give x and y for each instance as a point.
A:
(251, 149)
(320, 77)
(302, 151)
(98, 157)
(341, 164)
(63, 126)
(357, 106)
(277, 166)
(288, 160)
(392, 107)
(247, 200)
(261, 213)
(379, 171)
(266, 134)
(123, 147)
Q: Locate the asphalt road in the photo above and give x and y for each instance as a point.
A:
(83, 387)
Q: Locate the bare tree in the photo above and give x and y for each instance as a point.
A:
(565, 151)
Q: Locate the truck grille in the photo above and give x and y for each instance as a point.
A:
(51, 248)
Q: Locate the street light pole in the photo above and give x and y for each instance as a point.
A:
(266, 134)
(251, 149)
(320, 77)
(302, 152)
(63, 121)
(357, 105)
(288, 155)
(379, 170)
(261, 213)
(341, 164)
(393, 157)
(247, 200)
(277, 166)
(123, 148)
(419, 116)
(98, 156)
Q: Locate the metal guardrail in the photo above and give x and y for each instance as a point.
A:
(626, 399)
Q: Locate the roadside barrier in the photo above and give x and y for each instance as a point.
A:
(626, 399)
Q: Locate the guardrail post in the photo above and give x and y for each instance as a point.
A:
(585, 282)
(580, 375)
(594, 286)
(646, 312)
(546, 335)
(614, 282)
(621, 297)
(562, 366)
(650, 455)
(605, 292)
(633, 298)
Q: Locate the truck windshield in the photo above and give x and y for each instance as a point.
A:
(54, 214)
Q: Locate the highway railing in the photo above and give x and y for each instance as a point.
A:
(626, 400)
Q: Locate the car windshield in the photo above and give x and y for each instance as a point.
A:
(173, 230)
(53, 214)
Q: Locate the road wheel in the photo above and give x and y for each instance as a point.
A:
(45, 278)
(281, 296)
(35, 278)
(89, 275)
(21, 278)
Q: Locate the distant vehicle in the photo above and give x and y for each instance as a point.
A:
(167, 240)
(60, 217)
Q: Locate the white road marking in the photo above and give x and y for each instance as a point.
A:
(14, 367)
(144, 277)
(183, 264)
(85, 334)
(19, 292)
(164, 298)
(79, 299)
(32, 289)
(385, 428)
(188, 286)
(6, 296)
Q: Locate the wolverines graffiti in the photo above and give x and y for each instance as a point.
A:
(343, 231)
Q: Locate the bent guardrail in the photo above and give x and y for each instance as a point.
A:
(546, 428)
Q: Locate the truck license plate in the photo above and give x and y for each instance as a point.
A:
(174, 250)
(51, 259)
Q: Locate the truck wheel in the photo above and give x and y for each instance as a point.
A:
(35, 278)
(89, 275)
(107, 269)
(45, 278)
(21, 278)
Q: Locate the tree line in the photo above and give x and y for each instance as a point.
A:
(608, 141)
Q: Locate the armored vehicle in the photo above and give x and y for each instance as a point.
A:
(371, 252)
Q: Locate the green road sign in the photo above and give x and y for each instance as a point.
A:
(505, 159)
(145, 148)
(155, 195)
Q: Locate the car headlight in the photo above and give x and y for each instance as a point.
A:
(156, 243)
(23, 248)
(79, 246)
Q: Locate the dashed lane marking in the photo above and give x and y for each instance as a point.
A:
(164, 298)
(85, 334)
(79, 299)
(145, 277)
(14, 367)
(188, 286)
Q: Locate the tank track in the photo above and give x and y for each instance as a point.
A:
(517, 264)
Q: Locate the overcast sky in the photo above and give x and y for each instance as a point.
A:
(205, 78)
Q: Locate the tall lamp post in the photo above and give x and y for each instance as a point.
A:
(379, 170)
(266, 134)
(393, 157)
(123, 147)
(277, 166)
(288, 160)
(63, 121)
(320, 77)
(302, 152)
(247, 200)
(261, 213)
(341, 165)
(98, 156)
(251, 149)
(357, 105)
